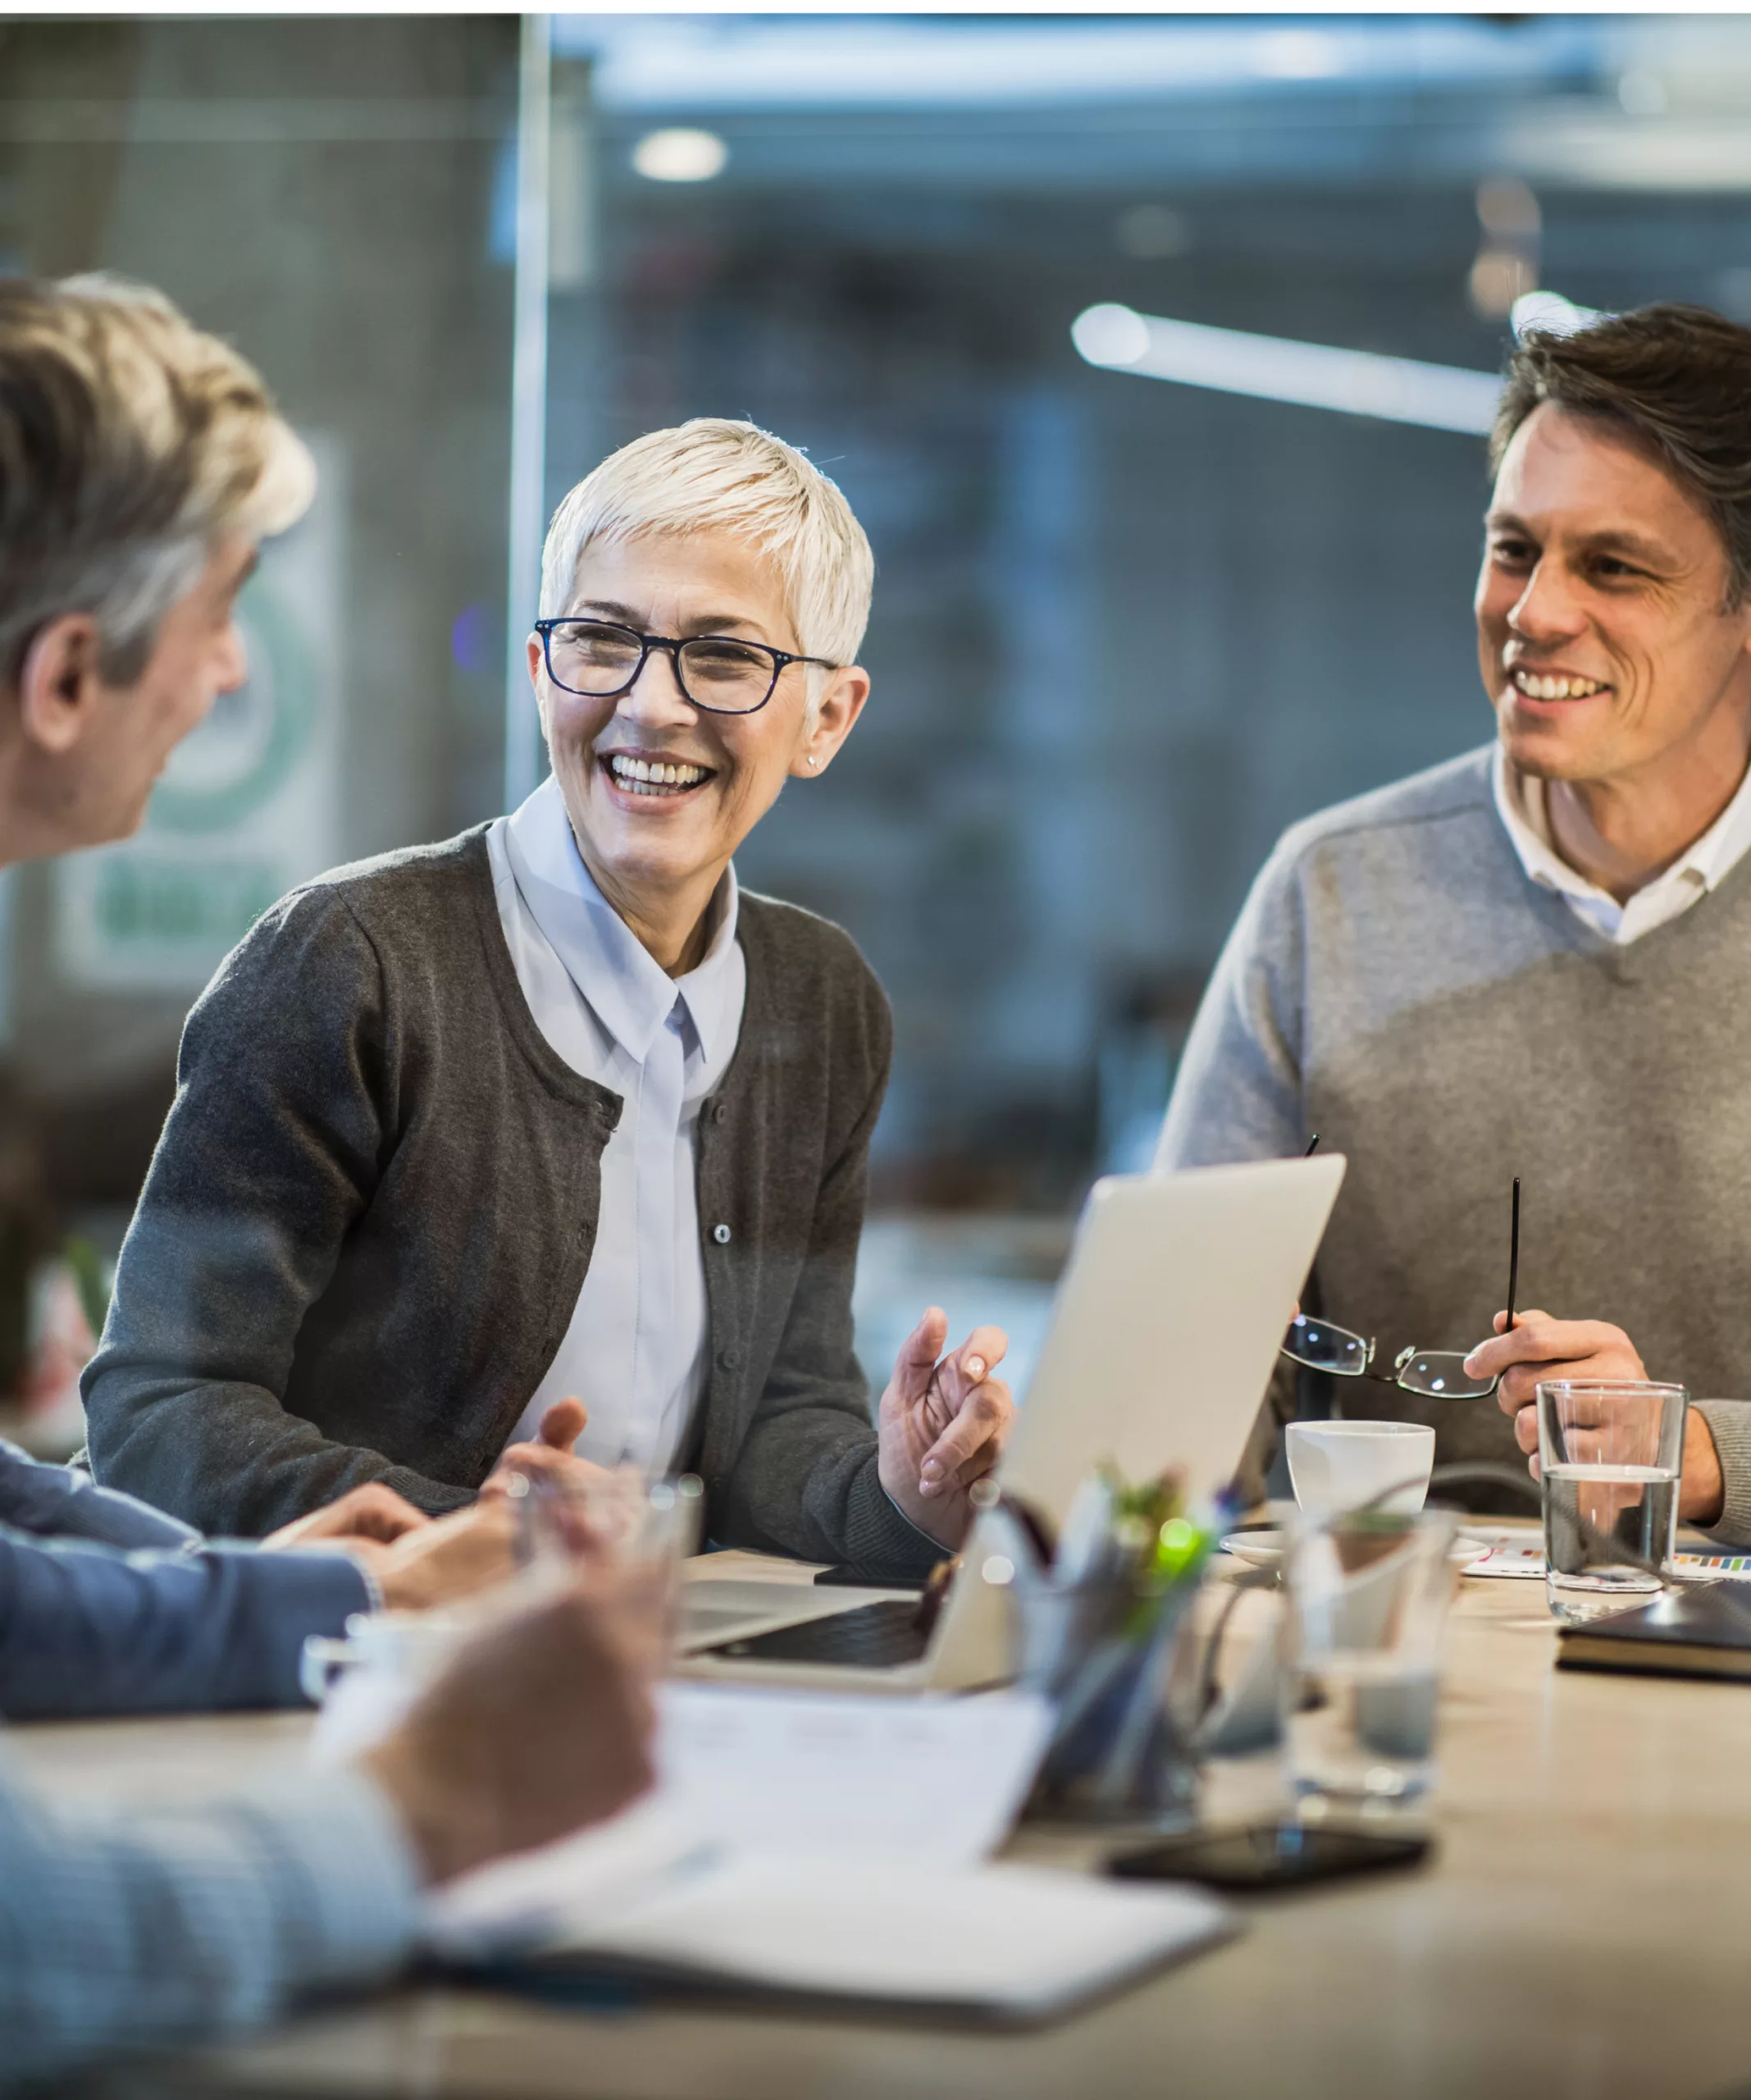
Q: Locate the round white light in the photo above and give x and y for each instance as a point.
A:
(1110, 335)
(680, 156)
(1642, 95)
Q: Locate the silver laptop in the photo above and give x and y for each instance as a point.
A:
(1164, 1329)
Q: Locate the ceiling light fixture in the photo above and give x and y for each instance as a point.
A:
(680, 156)
(1274, 368)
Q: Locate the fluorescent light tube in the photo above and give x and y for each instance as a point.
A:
(1274, 368)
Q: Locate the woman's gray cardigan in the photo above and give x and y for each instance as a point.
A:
(376, 1198)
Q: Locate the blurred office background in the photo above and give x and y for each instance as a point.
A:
(1125, 630)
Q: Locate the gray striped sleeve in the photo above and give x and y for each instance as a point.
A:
(166, 1923)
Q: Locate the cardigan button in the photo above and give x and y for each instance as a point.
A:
(729, 1359)
(721, 1234)
(721, 1112)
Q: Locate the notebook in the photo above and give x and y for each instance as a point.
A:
(1704, 1630)
(1009, 1946)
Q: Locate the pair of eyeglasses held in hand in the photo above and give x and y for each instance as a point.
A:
(1436, 1374)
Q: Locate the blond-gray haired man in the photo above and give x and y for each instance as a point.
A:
(140, 463)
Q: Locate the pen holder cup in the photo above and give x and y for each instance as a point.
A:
(1105, 1657)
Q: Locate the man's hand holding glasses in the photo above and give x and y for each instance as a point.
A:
(1538, 1347)
(1436, 1374)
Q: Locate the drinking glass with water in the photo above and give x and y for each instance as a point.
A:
(1610, 1456)
(602, 1518)
(1368, 1595)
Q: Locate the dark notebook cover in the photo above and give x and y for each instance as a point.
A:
(1704, 1630)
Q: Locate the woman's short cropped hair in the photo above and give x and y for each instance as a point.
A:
(715, 475)
(1680, 377)
(130, 442)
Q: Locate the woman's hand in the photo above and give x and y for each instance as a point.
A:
(550, 1456)
(941, 1425)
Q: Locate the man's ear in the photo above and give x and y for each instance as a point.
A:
(59, 684)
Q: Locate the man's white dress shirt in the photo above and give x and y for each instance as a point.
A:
(636, 1351)
(1520, 802)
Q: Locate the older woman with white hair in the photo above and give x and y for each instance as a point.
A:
(548, 1142)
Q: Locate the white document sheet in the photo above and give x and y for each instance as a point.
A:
(941, 1778)
(816, 1778)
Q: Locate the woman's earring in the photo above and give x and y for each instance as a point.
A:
(814, 762)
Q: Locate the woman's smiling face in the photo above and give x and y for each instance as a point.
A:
(658, 846)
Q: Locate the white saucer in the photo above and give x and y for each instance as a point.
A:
(1265, 1549)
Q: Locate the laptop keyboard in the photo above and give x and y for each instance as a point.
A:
(872, 1636)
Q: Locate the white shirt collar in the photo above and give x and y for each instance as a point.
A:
(1520, 803)
(629, 991)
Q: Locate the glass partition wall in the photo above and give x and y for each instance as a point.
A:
(323, 193)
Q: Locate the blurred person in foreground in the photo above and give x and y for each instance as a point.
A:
(547, 1146)
(1535, 960)
(139, 463)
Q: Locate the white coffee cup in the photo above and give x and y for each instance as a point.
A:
(411, 1646)
(1339, 1465)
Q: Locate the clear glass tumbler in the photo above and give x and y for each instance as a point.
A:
(1368, 1592)
(1609, 1460)
(603, 1517)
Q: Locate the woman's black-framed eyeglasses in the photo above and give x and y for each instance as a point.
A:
(1436, 1374)
(718, 672)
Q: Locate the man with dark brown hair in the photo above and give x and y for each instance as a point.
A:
(1535, 960)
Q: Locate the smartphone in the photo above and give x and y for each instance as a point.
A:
(1269, 1855)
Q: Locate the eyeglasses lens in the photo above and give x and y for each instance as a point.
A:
(1441, 1375)
(733, 677)
(586, 657)
(1323, 1347)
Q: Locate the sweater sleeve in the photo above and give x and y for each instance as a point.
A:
(805, 1481)
(88, 1630)
(286, 1109)
(1729, 1425)
(1239, 1092)
(162, 1926)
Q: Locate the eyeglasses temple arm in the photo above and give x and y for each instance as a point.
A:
(1513, 1257)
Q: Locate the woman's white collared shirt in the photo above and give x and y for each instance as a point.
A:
(636, 1350)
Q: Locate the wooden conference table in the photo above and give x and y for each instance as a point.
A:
(1585, 1930)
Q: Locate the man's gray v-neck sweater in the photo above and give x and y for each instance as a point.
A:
(1399, 984)
(375, 1197)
